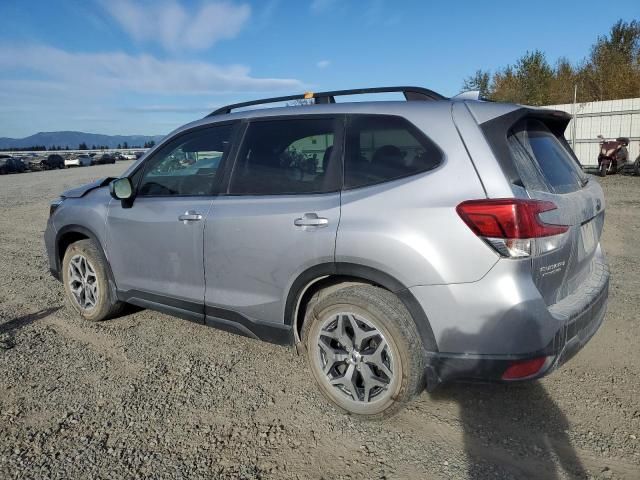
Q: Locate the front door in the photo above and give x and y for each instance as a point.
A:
(155, 245)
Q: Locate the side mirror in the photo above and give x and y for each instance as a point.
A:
(121, 189)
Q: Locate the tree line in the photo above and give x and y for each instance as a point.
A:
(82, 146)
(610, 71)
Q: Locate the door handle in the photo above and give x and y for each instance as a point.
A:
(311, 220)
(190, 216)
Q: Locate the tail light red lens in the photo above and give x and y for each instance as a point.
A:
(508, 218)
(523, 368)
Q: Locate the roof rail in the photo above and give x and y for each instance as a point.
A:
(410, 94)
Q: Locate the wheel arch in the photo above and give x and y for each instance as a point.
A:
(72, 233)
(325, 275)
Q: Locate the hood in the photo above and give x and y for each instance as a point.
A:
(84, 189)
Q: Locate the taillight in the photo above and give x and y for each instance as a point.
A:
(512, 226)
(520, 369)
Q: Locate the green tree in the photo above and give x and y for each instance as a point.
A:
(528, 81)
(562, 84)
(479, 81)
(612, 69)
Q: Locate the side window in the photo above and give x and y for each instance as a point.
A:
(383, 148)
(288, 157)
(188, 165)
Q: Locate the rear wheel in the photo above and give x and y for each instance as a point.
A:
(364, 351)
(86, 282)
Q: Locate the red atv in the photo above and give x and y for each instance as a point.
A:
(613, 155)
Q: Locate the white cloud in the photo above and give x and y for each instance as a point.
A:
(323, 64)
(107, 72)
(174, 27)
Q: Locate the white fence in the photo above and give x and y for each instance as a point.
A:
(613, 118)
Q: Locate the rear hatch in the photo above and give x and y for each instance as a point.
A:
(542, 166)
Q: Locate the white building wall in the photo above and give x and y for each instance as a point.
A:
(612, 118)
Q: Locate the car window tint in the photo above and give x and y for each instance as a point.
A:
(288, 157)
(188, 165)
(383, 148)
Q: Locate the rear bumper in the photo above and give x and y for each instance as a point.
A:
(481, 347)
(567, 342)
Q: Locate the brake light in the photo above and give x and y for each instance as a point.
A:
(519, 369)
(512, 225)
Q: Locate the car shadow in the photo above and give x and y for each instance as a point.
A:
(516, 428)
(10, 327)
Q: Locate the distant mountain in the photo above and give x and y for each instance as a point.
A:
(73, 139)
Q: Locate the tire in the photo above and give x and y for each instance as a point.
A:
(93, 303)
(602, 169)
(395, 372)
(636, 166)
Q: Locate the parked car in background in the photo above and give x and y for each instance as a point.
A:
(83, 160)
(11, 165)
(130, 156)
(139, 154)
(53, 161)
(104, 159)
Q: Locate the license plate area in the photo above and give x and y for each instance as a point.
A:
(588, 239)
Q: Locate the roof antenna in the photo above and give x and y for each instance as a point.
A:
(468, 95)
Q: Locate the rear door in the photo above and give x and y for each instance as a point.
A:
(549, 171)
(279, 217)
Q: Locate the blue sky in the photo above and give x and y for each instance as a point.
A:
(146, 67)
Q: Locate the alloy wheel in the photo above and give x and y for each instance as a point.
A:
(83, 282)
(356, 358)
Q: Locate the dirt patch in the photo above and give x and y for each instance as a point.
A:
(149, 395)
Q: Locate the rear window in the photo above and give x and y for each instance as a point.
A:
(543, 161)
(383, 148)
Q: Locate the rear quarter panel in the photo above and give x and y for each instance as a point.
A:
(409, 228)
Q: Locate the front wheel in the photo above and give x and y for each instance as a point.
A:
(86, 283)
(602, 169)
(364, 351)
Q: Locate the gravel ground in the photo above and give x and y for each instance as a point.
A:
(148, 395)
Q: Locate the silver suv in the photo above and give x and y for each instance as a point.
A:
(400, 244)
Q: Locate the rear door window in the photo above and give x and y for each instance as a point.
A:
(542, 160)
(292, 156)
(382, 148)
